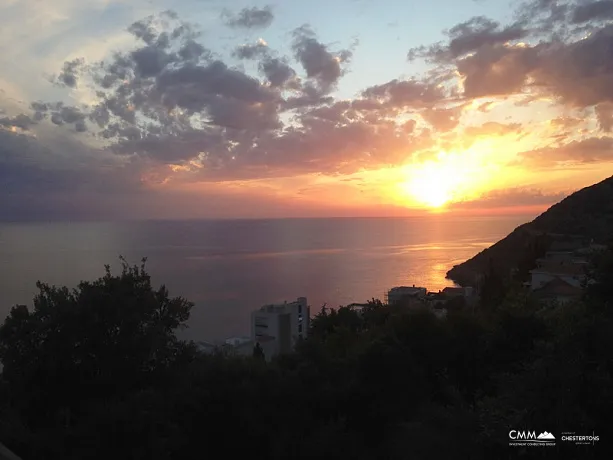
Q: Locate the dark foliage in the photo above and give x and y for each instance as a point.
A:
(97, 372)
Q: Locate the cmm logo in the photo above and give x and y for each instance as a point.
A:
(523, 438)
(522, 435)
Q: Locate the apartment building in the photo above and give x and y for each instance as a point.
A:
(278, 327)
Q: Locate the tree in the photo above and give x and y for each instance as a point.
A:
(258, 352)
(492, 289)
(90, 344)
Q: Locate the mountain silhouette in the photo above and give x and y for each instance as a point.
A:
(545, 435)
(586, 215)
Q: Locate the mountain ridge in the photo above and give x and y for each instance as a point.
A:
(586, 216)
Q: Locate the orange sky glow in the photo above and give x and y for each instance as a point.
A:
(149, 122)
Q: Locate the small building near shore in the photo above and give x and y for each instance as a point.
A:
(358, 307)
(402, 293)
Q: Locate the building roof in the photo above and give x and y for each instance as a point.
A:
(560, 268)
(407, 288)
(557, 287)
(357, 305)
(281, 307)
(453, 291)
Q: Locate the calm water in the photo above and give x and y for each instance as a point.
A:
(229, 268)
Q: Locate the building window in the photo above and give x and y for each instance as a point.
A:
(299, 309)
(300, 328)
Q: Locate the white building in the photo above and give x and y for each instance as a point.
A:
(237, 341)
(558, 265)
(399, 293)
(358, 307)
(277, 328)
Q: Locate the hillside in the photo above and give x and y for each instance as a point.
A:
(584, 216)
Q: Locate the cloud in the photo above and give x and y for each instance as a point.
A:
(68, 75)
(160, 104)
(578, 72)
(249, 18)
(600, 10)
(565, 122)
(318, 61)
(512, 197)
(279, 73)
(492, 128)
(588, 150)
(258, 49)
(442, 119)
(171, 111)
(478, 32)
(401, 94)
(50, 177)
(604, 115)
(497, 70)
(21, 121)
(547, 50)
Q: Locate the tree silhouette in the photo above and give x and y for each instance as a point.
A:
(98, 341)
(97, 372)
(258, 352)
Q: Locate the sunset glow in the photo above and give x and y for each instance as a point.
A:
(432, 184)
(272, 117)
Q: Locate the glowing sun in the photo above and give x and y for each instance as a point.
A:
(433, 184)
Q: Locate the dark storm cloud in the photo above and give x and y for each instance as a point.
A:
(249, 18)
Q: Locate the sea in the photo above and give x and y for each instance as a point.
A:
(230, 267)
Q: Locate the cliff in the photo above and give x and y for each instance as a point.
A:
(583, 217)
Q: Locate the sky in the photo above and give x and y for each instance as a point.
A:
(159, 109)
